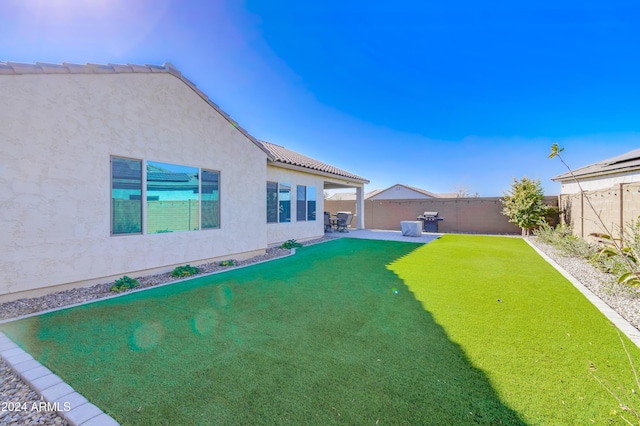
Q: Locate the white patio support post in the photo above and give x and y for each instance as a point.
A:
(360, 207)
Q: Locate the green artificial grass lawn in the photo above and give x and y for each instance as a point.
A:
(350, 331)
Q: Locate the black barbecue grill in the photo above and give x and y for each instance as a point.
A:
(430, 221)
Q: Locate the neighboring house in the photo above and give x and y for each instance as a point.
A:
(394, 192)
(624, 168)
(107, 170)
(612, 187)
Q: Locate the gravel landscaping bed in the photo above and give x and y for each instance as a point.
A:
(623, 299)
(18, 398)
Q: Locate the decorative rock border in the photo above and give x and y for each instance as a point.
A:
(55, 394)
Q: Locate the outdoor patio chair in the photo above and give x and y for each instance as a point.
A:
(327, 222)
(344, 221)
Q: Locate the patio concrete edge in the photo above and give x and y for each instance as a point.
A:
(56, 394)
(618, 320)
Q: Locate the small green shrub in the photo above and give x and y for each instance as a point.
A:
(124, 283)
(289, 244)
(229, 262)
(184, 271)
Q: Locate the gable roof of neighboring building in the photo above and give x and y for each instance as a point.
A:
(347, 196)
(418, 191)
(283, 155)
(17, 68)
(627, 162)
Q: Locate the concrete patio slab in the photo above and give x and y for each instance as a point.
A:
(378, 234)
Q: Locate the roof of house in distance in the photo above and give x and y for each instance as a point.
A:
(371, 195)
(626, 162)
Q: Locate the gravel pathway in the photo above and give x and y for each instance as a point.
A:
(13, 390)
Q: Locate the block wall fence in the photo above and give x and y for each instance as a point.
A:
(478, 215)
(617, 206)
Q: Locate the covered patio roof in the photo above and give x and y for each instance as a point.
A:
(334, 177)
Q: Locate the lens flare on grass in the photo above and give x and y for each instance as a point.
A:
(394, 290)
(204, 322)
(147, 336)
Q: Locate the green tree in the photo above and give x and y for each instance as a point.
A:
(524, 204)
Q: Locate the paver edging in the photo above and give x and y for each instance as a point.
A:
(618, 320)
(49, 386)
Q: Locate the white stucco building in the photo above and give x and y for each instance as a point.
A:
(107, 170)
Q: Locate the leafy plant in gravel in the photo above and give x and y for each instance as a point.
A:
(563, 239)
(289, 244)
(184, 271)
(229, 262)
(123, 284)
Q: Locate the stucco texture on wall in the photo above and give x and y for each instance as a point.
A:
(298, 230)
(57, 134)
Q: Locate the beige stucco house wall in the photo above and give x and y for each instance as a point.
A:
(60, 128)
(58, 133)
(295, 229)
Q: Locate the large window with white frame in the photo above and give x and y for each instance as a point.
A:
(177, 197)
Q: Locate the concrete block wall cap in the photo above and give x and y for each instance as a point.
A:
(57, 391)
(80, 414)
(22, 356)
(25, 366)
(45, 382)
(5, 346)
(101, 420)
(11, 352)
(35, 373)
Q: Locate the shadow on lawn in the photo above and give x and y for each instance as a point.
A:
(316, 338)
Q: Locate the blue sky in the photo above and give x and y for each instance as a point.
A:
(438, 95)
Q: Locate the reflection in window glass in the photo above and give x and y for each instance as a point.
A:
(284, 199)
(172, 198)
(272, 202)
(311, 203)
(210, 199)
(126, 194)
(301, 203)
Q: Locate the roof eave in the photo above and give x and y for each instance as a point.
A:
(317, 172)
(568, 176)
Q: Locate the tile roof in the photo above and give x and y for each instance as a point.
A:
(286, 156)
(18, 68)
(626, 162)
